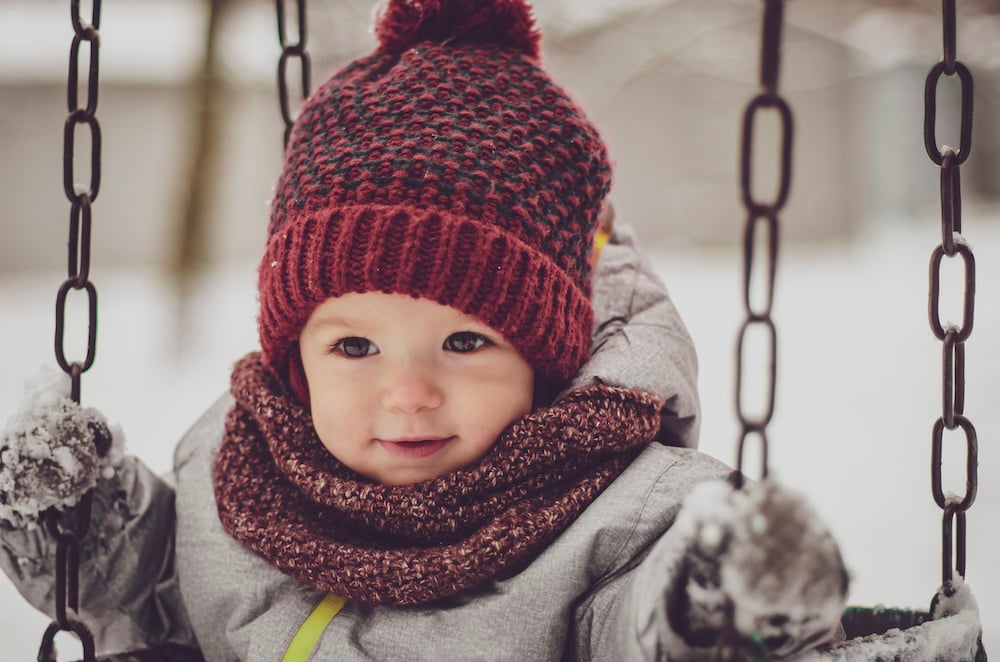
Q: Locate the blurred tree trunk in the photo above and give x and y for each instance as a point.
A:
(206, 95)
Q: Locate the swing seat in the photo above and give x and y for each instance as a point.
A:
(886, 634)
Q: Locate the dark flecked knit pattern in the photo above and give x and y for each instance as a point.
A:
(283, 495)
(452, 170)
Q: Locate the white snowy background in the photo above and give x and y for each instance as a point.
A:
(859, 370)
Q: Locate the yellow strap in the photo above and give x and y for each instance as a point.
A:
(600, 240)
(312, 628)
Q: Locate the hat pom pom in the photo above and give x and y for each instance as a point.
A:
(402, 24)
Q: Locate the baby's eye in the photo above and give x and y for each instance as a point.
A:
(465, 341)
(355, 347)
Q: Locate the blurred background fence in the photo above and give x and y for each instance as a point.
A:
(665, 82)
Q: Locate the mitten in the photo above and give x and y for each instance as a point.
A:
(52, 451)
(762, 577)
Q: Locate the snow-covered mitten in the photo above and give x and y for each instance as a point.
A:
(52, 451)
(762, 577)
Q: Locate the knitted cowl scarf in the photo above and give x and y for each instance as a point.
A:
(283, 495)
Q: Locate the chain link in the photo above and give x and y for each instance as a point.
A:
(953, 338)
(762, 214)
(291, 51)
(69, 528)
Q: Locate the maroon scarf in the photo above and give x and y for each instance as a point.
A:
(282, 494)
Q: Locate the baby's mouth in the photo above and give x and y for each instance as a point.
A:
(414, 448)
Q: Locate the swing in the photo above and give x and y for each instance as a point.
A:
(898, 631)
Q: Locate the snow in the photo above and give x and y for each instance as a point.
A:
(859, 387)
(960, 600)
(950, 636)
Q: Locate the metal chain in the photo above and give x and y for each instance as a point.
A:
(290, 51)
(69, 528)
(762, 214)
(953, 338)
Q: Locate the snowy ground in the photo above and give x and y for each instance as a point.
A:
(858, 390)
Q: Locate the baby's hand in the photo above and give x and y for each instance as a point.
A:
(51, 451)
(762, 573)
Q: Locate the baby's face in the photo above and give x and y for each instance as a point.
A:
(403, 390)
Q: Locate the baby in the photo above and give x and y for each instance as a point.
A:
(459, 440)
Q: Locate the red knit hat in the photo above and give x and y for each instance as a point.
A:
(446, 165)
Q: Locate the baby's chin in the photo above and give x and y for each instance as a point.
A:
(402, 476)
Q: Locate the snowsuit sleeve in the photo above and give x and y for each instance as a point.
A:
(639, 340)
(685, 548)
(129, 594)
(624, 616)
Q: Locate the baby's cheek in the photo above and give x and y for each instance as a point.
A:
(328, 430)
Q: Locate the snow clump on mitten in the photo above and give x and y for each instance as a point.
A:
(783, 571)
(762, 562)
(52, 450)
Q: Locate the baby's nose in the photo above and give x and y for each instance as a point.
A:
(410, 389)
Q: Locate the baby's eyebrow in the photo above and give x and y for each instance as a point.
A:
(334, 321)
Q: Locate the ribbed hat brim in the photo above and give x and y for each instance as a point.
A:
(456, 261)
